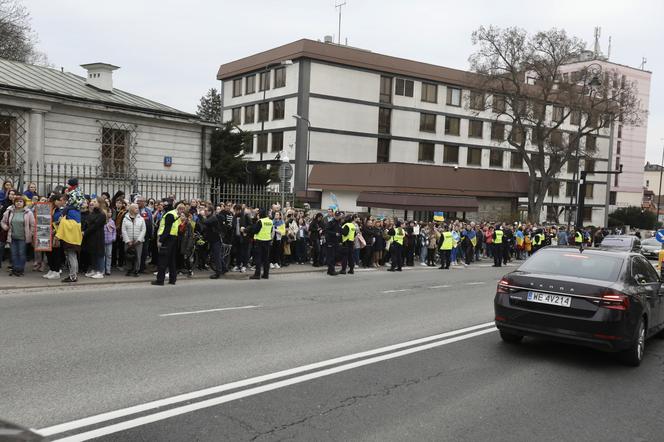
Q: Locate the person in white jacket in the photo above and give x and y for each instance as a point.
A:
(133, 236)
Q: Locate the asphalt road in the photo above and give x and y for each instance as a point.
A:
(68, 355)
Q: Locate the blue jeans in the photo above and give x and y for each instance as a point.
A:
(424, 250)
(18, 255)
(108, 258)
(100, 265)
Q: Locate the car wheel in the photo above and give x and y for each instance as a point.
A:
(510, 338)
(634, 355)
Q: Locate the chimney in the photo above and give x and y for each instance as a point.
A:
(328, 39)
(100, 75)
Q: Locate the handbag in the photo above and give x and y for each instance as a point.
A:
(363, 242)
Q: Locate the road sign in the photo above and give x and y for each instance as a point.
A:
(659, 236)
(285, 171)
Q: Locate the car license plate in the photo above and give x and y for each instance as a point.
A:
(546, 298)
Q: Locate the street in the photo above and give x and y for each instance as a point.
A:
(370, 356)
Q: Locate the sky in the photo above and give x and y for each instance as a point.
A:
(170, 51)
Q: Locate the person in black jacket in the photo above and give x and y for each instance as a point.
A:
(315, 230)
(332, 240)
(241, 241)
(93, 238)
(212, 232)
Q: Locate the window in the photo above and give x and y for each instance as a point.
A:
(250, 86)
(383, 152)
(617, 147)
(451, 154)
(430, 93)
(498, 131)
(278, 109)
(587, 213)
(476, 100)
(554, 189)
(114, 151)
(556, 138)
(428, 122)
(384, 120)
(261, 143)
(572, 165)
(426, 152)
(279, 77)
(615, 177)
(474, 156)
(575, 117)
(516, 135)
(404, 87)
(7, 130)
(620, 131)
(237, 87)
(537, 160)
(453, 96)
(277, 141)
(496, 158)
(452, 125)
(558, 114)
(475, 128)
(264, 81)
(385, 89)
(263, 112)
(591, 143)
(590, 166)
(570, 189)
(498, 105)
(589, 190)
(566, 77)
(606, 120)
(642, 269)
(516, 160)
(612, 198)
(535, 135)
(539, 111)
(236, 115)
(249, 116)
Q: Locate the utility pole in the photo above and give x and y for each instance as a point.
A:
(339, 33)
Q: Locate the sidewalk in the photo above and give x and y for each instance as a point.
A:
(33, 280)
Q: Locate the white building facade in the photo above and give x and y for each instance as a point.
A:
(371, 108)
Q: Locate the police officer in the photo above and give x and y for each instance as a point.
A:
(263, 232)
(332, 236)
(446, 246)
(348, 232)
(578, 237)
(397, 233)
(498, 246)
(167, 241)
(538, 240)
(212, 232)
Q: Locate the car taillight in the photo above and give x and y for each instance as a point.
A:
(614, 300)
(504, 286)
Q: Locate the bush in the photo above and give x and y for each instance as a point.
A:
(634, 217)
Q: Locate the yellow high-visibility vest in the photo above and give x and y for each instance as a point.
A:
(351, 233)
(265, 234)
(499, 237)
(398, 236)
(578, 238)
(448, 241)
(174, 226)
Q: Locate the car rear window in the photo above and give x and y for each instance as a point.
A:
(573, 263)
(617, 242)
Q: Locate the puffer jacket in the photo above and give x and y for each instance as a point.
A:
(133, 229)
(28, 224)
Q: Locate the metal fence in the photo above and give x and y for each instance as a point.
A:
(93, 181)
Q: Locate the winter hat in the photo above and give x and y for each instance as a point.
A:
(73, 182)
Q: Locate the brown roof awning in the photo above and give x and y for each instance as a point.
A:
(411, 201)
(419, 179)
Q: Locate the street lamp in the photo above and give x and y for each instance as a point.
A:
(265, 70)
(306, 166)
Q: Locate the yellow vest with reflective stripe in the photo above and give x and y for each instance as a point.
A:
(578, 238)
(351, 233)
(499, 237)
(174, 226)
(448, 241)
(398, 236)
(265, 234)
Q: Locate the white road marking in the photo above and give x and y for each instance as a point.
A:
(112, 415)
(440, 286)
(396, 291)
(122, 426)
(475, 283)
(210, 310)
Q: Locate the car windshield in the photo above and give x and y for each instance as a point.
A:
(651, 242)
(573, 263)
(617, 242)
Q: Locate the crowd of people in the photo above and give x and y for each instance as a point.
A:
(98, 235)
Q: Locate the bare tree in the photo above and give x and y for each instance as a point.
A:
(546, 114)
(17, 39)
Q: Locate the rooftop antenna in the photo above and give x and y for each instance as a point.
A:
(644, 60)
(608, 55)
(339, 5)
(598, 33)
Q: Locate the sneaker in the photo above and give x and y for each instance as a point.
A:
(271, 265)
(243, 270)
(97, 275)
(423, 264)
(69, 279)
(48, 275)
(236, 269)
(277, 266)
(90, 273)
(53, 275)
